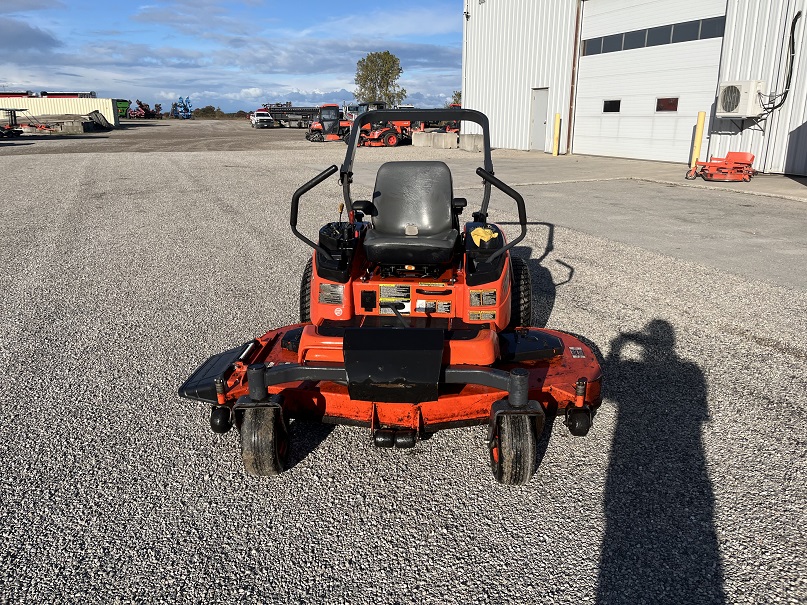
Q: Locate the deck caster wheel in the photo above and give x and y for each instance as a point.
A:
(691, 174)
(264, 441)
(221, 419)
(578, 421)
(513, 453)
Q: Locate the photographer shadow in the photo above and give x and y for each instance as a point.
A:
(660, 544)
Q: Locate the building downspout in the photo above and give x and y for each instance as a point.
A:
(573, 89)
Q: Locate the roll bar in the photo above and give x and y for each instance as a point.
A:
(415, 115)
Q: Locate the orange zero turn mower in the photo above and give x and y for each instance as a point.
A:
(412, 321)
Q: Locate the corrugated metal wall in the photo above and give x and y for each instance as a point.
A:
(509, 48)
(46, 106)
(755, 48)
(604, 17)
(685, 70)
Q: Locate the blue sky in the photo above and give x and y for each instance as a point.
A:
(235, 55)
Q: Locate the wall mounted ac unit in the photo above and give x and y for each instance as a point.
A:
(740, 99)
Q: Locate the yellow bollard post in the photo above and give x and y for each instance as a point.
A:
(696, 144)
(556, 140)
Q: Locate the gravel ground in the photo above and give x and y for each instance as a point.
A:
(123, 271)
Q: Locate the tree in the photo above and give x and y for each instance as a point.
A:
(456, 97)
(377, 79)
(205, 112)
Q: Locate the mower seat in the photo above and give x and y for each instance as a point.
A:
(413, 222)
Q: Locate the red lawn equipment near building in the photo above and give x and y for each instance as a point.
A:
(411, 321)
(736, 166)
(330, 125)
(390, 133)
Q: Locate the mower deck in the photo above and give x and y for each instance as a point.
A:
(556, 362)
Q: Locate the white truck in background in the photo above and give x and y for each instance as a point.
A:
(261, 118)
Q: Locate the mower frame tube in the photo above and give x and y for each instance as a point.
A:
(514, 382)
(522, 210)
(295, 207)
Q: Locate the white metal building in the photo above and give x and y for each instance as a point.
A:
(628, 77)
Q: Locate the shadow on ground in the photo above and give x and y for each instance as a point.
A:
(544, 286)
(304, 438)
(660, 544)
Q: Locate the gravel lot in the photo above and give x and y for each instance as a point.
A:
(129, 258)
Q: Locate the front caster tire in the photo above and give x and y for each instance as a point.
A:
(264, 441)
(514, 451)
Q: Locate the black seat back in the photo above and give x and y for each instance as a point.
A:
(413, 193)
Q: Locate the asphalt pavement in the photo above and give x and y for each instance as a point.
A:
(124, 269)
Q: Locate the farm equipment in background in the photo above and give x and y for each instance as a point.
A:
(391, 133)
(182, 109)
(11, 128)
(330, 125)
(736, 166)
(354, 111)
(453, 125)
(122, 107)
(285, 114)
(144, 111)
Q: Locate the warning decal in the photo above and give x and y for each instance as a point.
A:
(483, 298)
(331, 294)
(482, 315)
(432, 306)
(395, 293)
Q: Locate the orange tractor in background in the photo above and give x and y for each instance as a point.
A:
(392, 132)
(331, 125)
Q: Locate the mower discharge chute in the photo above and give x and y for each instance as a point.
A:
(411, 321)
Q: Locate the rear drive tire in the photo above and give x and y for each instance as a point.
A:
(520, 294)
(515, 450)
(390, 139)
(264, 442)
(305, 292)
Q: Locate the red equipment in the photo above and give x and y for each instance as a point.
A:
(410, 322)
(453, 125)
(388, 134)
(330, 125)
(736, 166)
(144, 111)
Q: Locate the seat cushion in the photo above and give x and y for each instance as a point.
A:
(410, 250)
(414, 224)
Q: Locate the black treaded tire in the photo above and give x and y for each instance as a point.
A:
(264, 442)
(391, 139)
(515, 450)
(305, 292)
(521, 294)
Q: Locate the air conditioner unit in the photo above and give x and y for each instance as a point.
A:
(740, 99)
